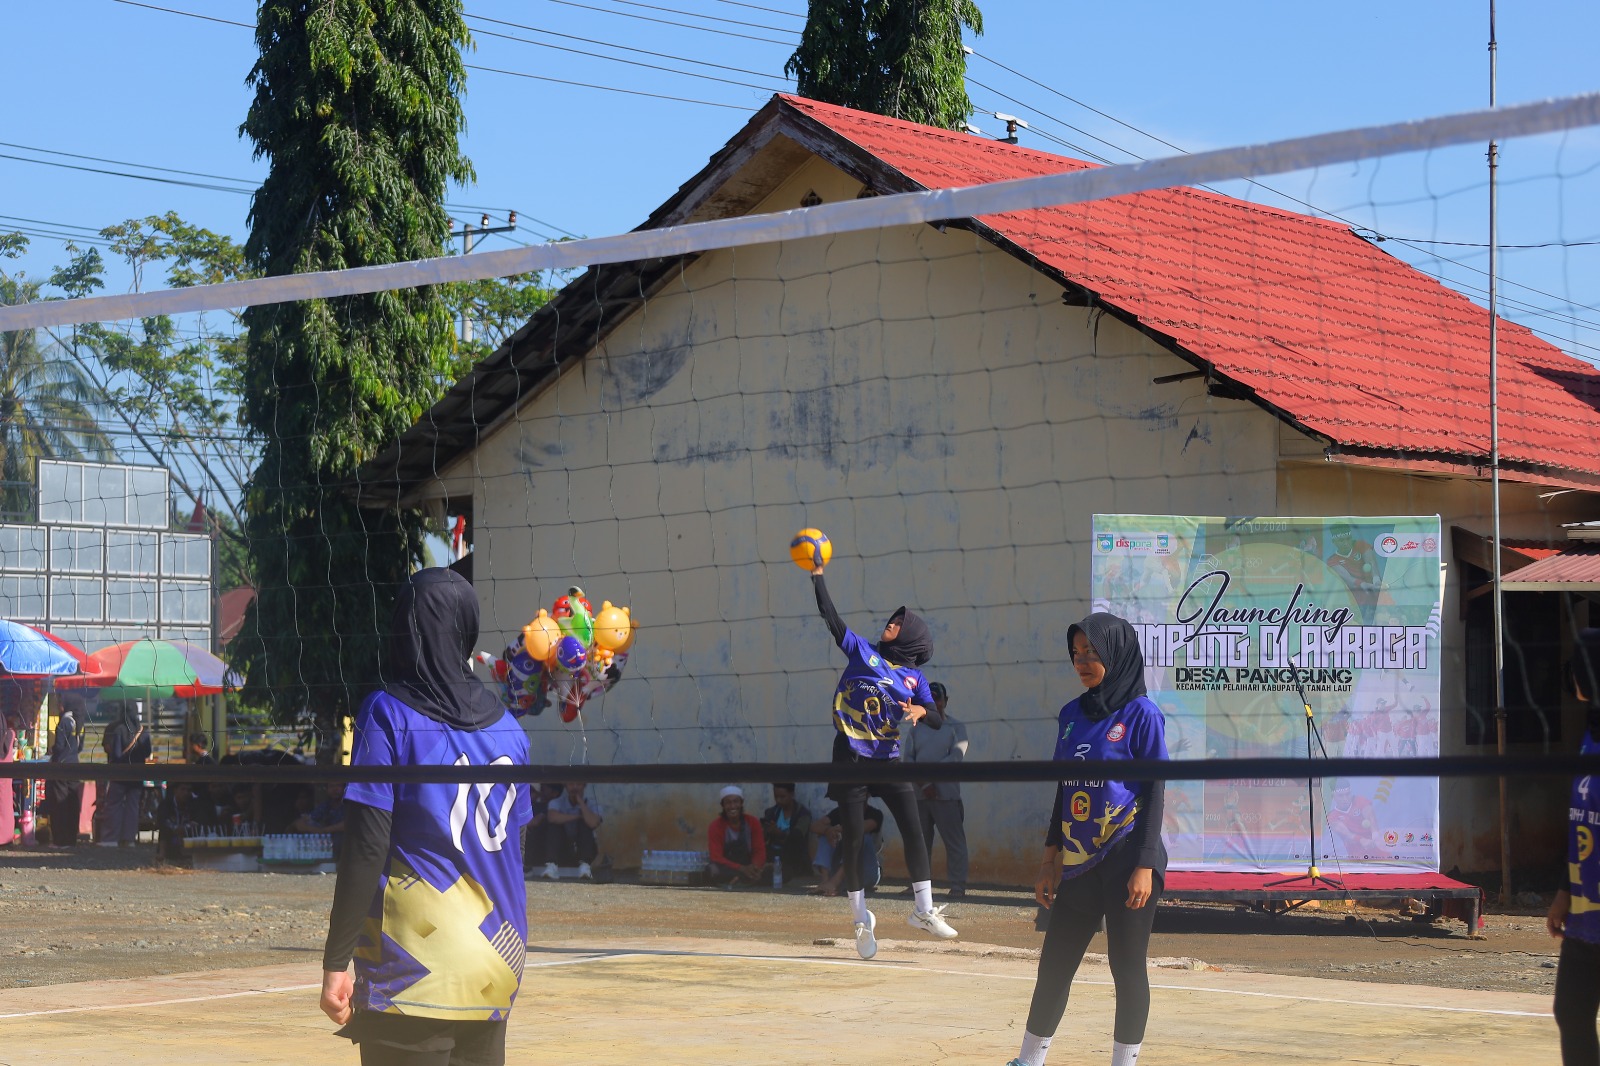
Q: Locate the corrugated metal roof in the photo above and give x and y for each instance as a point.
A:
(1574, 570)
(1349, 341)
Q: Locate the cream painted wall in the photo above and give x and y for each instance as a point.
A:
(926, 400)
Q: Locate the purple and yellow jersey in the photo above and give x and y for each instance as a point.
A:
(1097, 814)
(866, 705)
(1583, 864)
(448, 928)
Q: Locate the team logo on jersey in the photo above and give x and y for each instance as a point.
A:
(873, 661)
(1066, 731)
(1080, 806)
(1116, 732)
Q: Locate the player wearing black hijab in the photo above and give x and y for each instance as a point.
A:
(1103, 860)
(881, 690)
(430, 900)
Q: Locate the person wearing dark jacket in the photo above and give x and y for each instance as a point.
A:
(1574, 916)
(430, 900)
(63, 800)
(1103, 858)
(127, 743)
(881, 692)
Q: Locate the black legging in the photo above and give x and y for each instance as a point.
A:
(1577, 1001)
(1080, 903)
(901, 799)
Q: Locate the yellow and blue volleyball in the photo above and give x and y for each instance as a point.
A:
(810, 548)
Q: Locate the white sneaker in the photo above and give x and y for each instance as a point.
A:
(584, 873)
(932, 922)
(866, 943)
(552, 872)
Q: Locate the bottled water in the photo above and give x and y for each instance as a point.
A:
(777, 872)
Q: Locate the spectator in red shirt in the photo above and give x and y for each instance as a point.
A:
(737, 847)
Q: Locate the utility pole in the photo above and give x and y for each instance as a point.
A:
(1494, 471)
(469, 241)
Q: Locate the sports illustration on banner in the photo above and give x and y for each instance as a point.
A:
(1236, 615)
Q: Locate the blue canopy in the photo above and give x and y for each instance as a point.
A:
(25, 650)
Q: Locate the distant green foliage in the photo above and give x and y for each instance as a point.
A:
(47, 404)
(901, 58)
(357, 108)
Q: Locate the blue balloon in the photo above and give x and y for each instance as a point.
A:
(571, 654)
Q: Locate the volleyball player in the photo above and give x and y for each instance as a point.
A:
(881, 690)
(1103, 855)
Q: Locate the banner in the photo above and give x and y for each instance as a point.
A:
(1236, 617)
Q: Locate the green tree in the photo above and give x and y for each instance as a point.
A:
(902, 58)
(357, 108)
(47, 404)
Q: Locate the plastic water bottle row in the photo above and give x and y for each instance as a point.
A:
(672, 867)
(297, 847)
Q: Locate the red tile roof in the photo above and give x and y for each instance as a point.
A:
(1341, 337)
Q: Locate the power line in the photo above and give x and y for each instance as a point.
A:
(699, 15)
(668, 22)
(629, 62)
(758, 7)
(612, 44)
(125, 174)
(608, 88)
(191, 14)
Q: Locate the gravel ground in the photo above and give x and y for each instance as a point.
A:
(95, 913)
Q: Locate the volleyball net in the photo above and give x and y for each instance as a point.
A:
(1241, 397)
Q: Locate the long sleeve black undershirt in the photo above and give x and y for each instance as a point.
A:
(932, 717)
(366, 848)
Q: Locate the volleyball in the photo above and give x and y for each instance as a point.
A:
(810, 548)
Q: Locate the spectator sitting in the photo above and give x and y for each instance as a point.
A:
(538, 833)
(200, 750)
(572, 819)
(738, 850)
(325, 817)
(829, 862)
(180, 808)
(787, 828)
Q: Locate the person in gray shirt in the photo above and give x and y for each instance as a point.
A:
(940, 804)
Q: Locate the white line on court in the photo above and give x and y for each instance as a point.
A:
(232, 995)
(791, 959)
(1104, 984)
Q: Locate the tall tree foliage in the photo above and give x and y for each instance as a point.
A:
(901, 58)
(357, 107)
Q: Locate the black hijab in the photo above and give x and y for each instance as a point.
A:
(1117, 644)
(430, 647)
(913, 645)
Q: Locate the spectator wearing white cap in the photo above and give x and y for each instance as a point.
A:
(735, 843)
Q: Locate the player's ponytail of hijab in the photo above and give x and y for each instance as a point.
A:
(1117, 644)
(431, 637)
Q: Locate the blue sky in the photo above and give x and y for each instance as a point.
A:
(125, 83)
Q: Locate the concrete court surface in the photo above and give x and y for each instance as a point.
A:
(693, 1001)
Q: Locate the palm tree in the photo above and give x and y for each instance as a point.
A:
(47, 408)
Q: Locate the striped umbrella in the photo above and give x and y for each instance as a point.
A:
(153, 669)
(29, 652)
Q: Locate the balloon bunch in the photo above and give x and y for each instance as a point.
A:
(570, 652)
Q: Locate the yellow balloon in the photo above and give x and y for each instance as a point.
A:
(613, 628)
(809, 548)
(540, 635)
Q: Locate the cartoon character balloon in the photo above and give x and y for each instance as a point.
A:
(570, 654)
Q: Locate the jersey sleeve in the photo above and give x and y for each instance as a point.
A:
(375, 745)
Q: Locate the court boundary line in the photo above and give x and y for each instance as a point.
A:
(603, 955)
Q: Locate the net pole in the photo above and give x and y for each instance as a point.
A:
(1494, 470)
